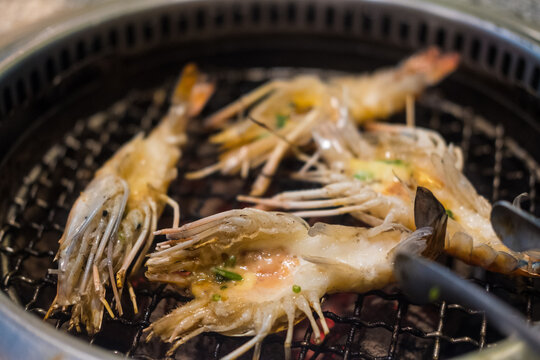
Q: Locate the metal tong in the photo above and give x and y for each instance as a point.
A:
(517, 229)
(426, 281)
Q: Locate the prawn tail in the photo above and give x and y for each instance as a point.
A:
(430, 219)
(189, 96)
(191, 92)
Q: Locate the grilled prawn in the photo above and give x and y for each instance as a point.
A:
(253, 272)
(372, 175)
(111, 225)
(286, 111)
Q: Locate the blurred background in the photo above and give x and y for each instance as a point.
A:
(20, 16)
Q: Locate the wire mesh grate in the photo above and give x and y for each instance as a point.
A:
(380, 324)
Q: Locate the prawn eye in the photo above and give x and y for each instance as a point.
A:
(105, 213)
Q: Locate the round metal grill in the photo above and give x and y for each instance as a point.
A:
(376, 325)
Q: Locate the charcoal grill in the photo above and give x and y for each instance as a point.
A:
(71, 95)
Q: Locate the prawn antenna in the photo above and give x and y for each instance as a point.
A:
(296, 150)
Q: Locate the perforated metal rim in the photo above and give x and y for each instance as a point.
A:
(141, 25)
(126, 31)
(26, 337)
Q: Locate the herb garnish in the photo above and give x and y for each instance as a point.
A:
(364, 175)
(392, 161)
(281, 120)
(226, 274)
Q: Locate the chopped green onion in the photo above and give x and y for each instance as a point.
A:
(393, 161)
(222, 287)
(364, 175)
(229, 275)
(296, 289)
(450, 214)
(216, 297)
(434, 294)
(281, 120)
(231, 261)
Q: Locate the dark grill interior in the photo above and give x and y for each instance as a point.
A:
(376, 325)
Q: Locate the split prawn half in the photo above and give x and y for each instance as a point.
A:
(373, 175)
(254, 272)
(284, 112)
(110, 227)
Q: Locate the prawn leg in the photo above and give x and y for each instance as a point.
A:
(244, 102)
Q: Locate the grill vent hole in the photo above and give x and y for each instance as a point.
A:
(219, 19)
(182, 24)
(475, 49)
(535, 79)
(201, 19)
(404, 31)
(441, 37)
(458, 42)
(256, 13)
(291, 12)
(131, 39)
(366, 23)
(238, 17)
(65, 59)
(347, 21)
(520, 69)
(148, 32)
(386, 25)
(506, 61)
(97, 44)
(113, 38)
(50, 69)
(35, 82)
(81, 50)
(165, 23)
(330, 17)
(492, 55)
(310, 14)
(274, 14)
(422, 33)
(8, 100)
(21, 91)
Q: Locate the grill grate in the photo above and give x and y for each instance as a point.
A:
(380, 324)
